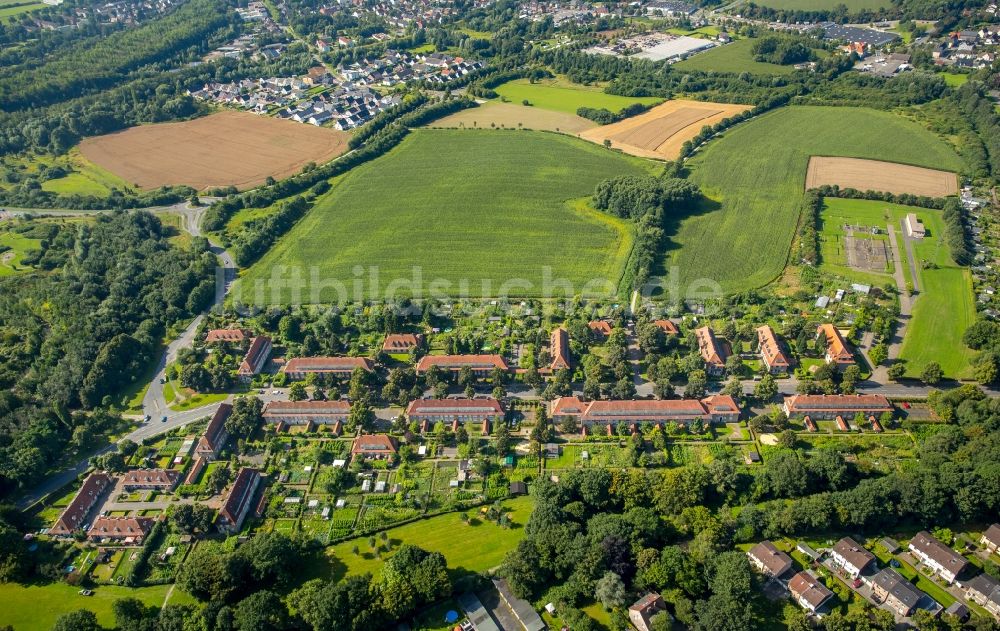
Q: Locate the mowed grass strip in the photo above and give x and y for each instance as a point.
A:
(756, 175)
(733, 57)
(475, 546)
(562, 96)
(36, 607)
(481, 207)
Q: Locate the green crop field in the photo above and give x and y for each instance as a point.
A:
(733, 57)
(853, 6)
(755, 173)
(481, 207)
(483, 543)
(563, 96)
(944, 306)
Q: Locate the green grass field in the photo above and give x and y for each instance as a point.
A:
(563, 96)
(473, 547)
(85, 178)
(11, 8)
(496, 210)
(734, 57)
(10, 260)
(853, 6)
(955, 79)
(755, 176)
(944, 307)
(35, 608)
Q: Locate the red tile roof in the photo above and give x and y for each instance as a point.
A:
(770, 347)
(256, 355)
(215, 434)
(836, 348)
(72, 518)
(216, 336)
(666, 326)
(646, 410)
(120, 528)
(775, 561)
(377, 444)
(564, 406)
(710, 348)
(304, 408)
(559, 349)
(241, 492)
(456, 362)
(600, 327)
(401, 342)
(446, 408)
(327, 364)
(151, 477)
(806, 587)
(842, 403)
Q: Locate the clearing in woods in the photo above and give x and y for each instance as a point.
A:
(660, 132)
(876, 175)
(563, 96)
(511, 116)
(224, 149)
(755, 175)
(485, 208)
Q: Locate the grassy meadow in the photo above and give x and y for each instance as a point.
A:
(734, 57)
(10, 260)
(563, 96)
(755, 173)
(943, 308)
(482, 208)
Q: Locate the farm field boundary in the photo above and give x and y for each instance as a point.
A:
(223, 149)
(877, 175)
(660, 132)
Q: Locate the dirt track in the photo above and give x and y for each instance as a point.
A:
(224, 149)
(660, 132)
(875, 175)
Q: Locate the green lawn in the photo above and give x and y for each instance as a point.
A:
(733, 57)
(755, 176)
(944, 307)
(198, 400)
(35, 608)
(853, 6)
(563, 96)
(496, 210)
(955, 79)
(472, 547)
(10, 260)
(10, 9)
(86, 178)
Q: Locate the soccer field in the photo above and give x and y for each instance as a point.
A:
(451, 213)
(756, 173)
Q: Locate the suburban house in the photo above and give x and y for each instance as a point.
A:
(768, 560)
(712, 351)
(668, 327)
(74, 516)
(645, 608)
(945, 562)
(838, 352)
(150, 479)
(716, 409)
(239, 501)
(889, 587)
(914, 228)
(830, 406)
(600, 328)
(377, 446)
(984, 590)
(559, 349)
(399, 343)
(131, 530)
(255, 358)
(991, 538)
(215, 435)
(299, 367)
(227, 336)
(306, 412)
(455, 411)
(851, 557)
(772, 353)
(481, 365)
(808, 591)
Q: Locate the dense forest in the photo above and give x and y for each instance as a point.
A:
(74, 337)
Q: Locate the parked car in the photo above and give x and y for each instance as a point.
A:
(163, 420)
(86, 592)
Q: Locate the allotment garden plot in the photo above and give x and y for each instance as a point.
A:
(500, 211)
(224, 149)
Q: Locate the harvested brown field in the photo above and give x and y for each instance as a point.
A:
(660, 132)
(224, 149)
(875, 175)
(511, 115)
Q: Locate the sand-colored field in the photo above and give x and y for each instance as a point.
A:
(660, 132)
(875, 175)
(511, 115)
(224, 149)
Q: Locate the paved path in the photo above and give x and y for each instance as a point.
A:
(880, 373)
